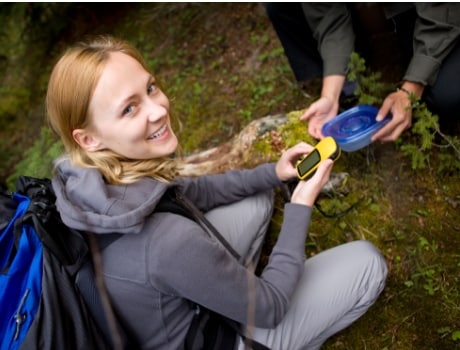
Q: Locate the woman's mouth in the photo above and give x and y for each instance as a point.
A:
(158, 133)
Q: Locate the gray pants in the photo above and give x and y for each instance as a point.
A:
(337, 287)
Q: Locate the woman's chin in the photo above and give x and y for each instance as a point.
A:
(171, 146)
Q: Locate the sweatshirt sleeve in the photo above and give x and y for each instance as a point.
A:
(210, 191)
(200, 270)
(437, 31)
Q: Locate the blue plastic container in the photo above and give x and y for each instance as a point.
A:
(353, 129)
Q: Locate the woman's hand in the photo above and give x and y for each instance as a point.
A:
(286, 165)
(307, 191)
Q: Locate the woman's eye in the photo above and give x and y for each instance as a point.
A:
(127, 110)
(151, 88)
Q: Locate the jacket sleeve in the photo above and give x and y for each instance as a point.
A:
(210, 191)
(332, 28)
(437, 31)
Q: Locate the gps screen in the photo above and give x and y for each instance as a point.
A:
(308, 162)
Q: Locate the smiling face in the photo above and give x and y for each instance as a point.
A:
(128, 114)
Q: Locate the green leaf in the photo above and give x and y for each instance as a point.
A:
(456, 335)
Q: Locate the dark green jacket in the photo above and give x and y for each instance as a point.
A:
(437, 31)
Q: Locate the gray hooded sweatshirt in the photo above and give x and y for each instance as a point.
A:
(164, 260)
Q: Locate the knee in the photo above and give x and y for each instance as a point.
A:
(369, 251)
(265, 202)
(374, 262)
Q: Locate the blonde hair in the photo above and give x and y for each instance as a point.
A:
(70, 88)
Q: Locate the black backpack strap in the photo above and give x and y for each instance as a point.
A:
(90, 282)
(192, 212)
(169, 204)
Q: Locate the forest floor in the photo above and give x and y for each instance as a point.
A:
(222, 66)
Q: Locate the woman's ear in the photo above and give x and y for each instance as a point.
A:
(86, 140)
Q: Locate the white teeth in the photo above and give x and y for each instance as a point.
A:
(158, 133)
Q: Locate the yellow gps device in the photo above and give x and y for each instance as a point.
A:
(324, 149)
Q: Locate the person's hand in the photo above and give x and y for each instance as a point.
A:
(326, 107)
(307, 191)
(319, 113)
(286, 165)
(399, 105)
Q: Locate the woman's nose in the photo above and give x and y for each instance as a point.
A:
(156, 112)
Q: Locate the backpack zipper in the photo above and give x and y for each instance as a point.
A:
(18, 317)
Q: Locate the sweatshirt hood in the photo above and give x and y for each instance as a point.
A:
(86, 202)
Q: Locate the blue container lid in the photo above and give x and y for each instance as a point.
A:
(354, 128)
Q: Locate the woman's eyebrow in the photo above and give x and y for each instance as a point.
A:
(121, 105)
(150, 80)
(124, 101)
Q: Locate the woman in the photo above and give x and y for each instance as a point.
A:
(114, 122)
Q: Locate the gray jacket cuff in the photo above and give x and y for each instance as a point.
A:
(335, 65)
(422, 69)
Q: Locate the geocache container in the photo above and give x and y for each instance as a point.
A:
(353, 129)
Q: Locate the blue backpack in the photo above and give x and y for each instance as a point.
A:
(41, 260)
(20, 281)
(49, 295)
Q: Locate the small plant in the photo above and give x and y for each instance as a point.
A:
(370, 89)
(425, 129)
